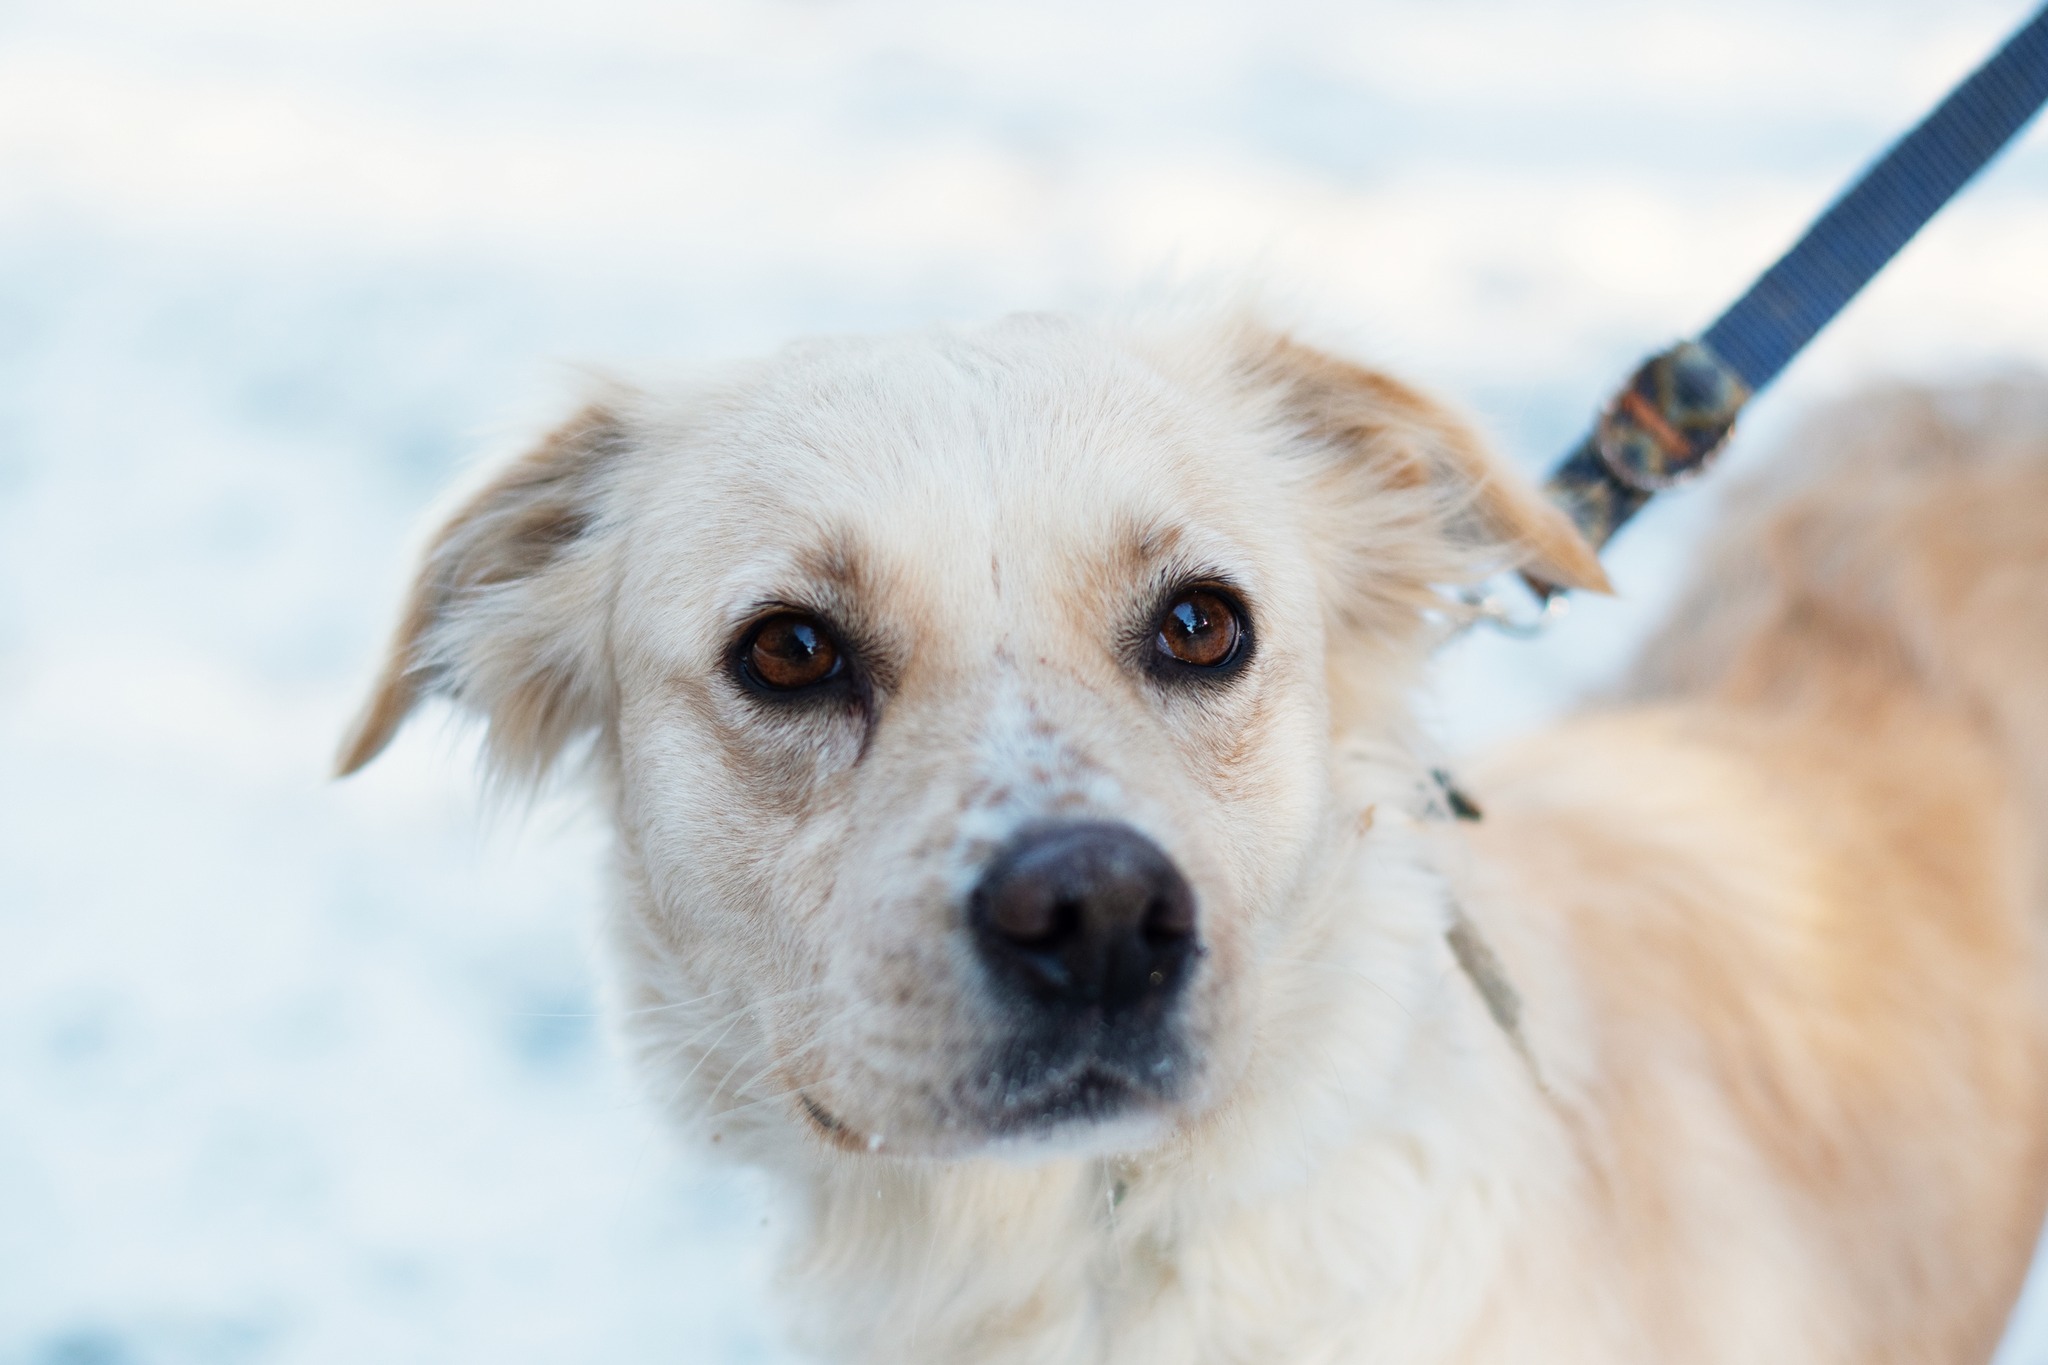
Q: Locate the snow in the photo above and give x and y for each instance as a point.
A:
(297, 1072)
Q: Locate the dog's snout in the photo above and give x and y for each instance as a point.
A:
(1092, 915)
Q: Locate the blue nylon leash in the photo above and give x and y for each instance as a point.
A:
(1677, 410)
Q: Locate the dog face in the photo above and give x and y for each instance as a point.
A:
(964, 702)
(968, 717)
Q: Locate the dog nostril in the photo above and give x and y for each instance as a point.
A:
(1066, 923)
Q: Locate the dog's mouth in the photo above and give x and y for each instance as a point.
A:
(822, 1117)
(836, 1130)
(1030, 1095)
(1032, 1089)
(1091, 1095)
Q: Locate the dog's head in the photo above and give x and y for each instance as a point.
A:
(966, 701)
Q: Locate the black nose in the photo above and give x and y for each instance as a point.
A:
(1085, 916)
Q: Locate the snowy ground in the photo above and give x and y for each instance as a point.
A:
(297, 1072)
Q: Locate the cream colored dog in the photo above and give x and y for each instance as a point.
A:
(1023, 849)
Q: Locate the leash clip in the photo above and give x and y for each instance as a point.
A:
(1669, 420)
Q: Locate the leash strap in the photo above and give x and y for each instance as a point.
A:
(1677, 410)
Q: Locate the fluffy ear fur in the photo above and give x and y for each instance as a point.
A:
(1415, 450)
(506, 614)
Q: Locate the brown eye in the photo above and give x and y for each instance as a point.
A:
(789, 652)
(1201, 628)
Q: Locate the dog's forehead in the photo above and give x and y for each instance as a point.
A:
(1003, 420)
(1035, 447)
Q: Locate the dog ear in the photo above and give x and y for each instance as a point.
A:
(506, 614)
(1390, 442)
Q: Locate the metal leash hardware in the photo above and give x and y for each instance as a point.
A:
(1678, 409)
(1663, 429)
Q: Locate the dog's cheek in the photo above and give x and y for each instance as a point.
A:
(896, 1027)
(773, 757)
(1253, 805)
(714, 826)
(739, 907)
(1256, 768)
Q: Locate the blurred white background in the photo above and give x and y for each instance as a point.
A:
(298, 1072)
